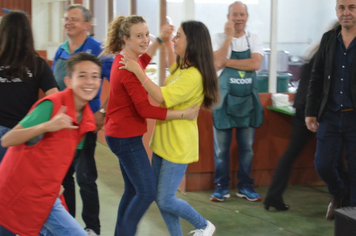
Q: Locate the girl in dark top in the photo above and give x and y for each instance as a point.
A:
(22, 73)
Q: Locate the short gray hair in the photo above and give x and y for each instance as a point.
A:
(228, 10)
(86, 13)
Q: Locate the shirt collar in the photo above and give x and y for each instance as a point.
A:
(65, 46)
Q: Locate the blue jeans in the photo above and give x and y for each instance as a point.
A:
(140, 188)
(60, 222)
(222, 143)
(3, 131)
(336, 131)
(86, 174)
(168, 176)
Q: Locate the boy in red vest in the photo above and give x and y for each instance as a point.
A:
(42, 147)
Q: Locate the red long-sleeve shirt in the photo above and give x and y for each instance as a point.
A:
(128, 105)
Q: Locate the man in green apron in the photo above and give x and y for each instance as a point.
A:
(238, 54)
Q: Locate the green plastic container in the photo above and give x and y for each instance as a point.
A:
(282, 82)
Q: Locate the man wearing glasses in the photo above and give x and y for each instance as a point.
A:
(77, 21)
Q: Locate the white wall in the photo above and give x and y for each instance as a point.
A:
(301, 22)
(121, 7)
(149, 9)
(39, 24)
(101, 19)
(214, 15)
(47, 24)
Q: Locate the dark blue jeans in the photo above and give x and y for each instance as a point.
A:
(4, 130)
(86, 174)
(222, 143)
(336, 131)
(140, 188)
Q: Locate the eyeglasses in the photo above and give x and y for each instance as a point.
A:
(72, 20)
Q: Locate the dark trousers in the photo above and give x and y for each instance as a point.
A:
(86, 174)
(300, 136)
(336, 132)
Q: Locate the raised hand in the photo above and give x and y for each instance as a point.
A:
(166, 32)
(60, 121)
(229, 29)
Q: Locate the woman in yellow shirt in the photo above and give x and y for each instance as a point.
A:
(174, 143)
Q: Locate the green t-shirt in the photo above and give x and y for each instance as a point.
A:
(40, 114)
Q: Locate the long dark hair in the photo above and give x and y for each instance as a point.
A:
(199, 53)
(17, 52)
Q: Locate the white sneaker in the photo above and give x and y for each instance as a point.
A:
(208, 231)
(91, 232)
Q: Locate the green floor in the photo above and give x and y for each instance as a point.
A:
(233, 217)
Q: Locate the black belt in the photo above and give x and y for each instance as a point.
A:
(347, 109)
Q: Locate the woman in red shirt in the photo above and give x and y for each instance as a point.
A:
(175, 144)
(125, 123)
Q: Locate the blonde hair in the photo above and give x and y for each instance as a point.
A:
(119, 28)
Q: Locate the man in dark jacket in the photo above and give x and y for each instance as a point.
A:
(330, 109)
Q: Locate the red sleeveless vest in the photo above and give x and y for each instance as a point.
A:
(30, 176)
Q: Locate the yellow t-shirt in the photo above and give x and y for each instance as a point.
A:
(177, 140)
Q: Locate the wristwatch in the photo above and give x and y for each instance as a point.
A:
(102, 111)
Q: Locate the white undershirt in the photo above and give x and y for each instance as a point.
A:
(239, 44)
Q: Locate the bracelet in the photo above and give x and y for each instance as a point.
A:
(143, 84)
(159, 40)
(102, 111)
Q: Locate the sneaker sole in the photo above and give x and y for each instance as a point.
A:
(215, 199)
(248, 199)
(213, 233)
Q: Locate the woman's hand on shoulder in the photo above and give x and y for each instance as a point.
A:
(130, 64)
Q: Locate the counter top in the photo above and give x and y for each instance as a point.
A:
(285, 110)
